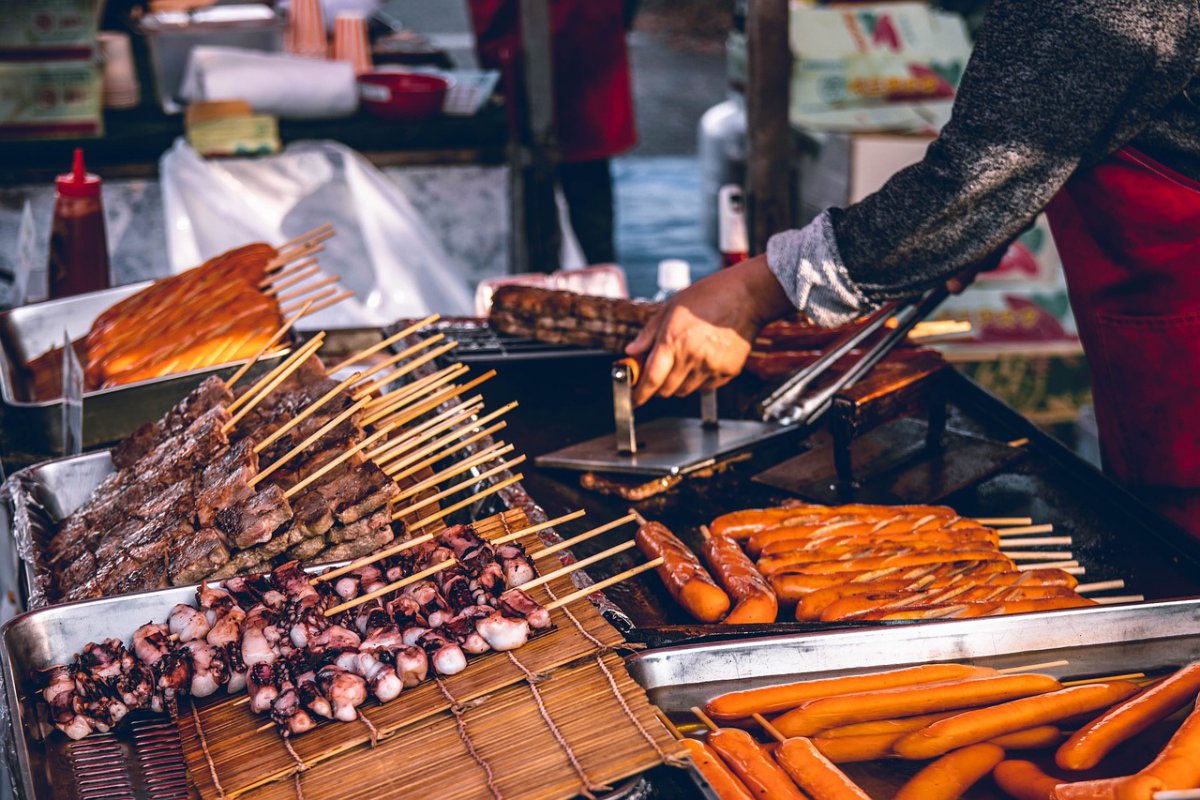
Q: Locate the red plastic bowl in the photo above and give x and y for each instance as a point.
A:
(402, 96)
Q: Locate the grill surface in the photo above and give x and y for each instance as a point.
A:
(144, 761)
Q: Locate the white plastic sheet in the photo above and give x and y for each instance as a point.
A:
(383, 250)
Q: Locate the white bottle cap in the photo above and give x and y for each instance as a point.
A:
(674, 274)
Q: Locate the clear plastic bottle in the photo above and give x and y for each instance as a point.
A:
(673, 274)
(78, 242)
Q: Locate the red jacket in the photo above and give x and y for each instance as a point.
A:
(593, 102)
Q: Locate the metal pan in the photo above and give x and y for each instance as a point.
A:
(1096, 641)
(34, 427)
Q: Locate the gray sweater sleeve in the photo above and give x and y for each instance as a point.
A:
(1052, 85)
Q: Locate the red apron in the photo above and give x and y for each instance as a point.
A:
(1128, 231)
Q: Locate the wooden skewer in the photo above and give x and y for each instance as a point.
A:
(420, 386)
(443, 438)
(1128, 676)
(458, 487)
(707, 720)
(1038, 541)
(300, 448)
(333, 463)
(409, 394)
(291, 365)
(324, 304)
(274, 340)
(401, 371)
(550, 523)
(1037, 555)
(262, 381)
(768, 727)
(319, 296)
(407, 352)
(448, 510)
(462, 425)
(1069, 567)
(395, 473)
(392, 587)
(586, 562)
(309, 288)
(317, 231)
(311, 409)
(1177, 794)
(294, 274)
(604, 584)
(388, 342)
(999, 522)
(433, 401)
(453, 471)
(1025, 529)
(1032, 667)
(371, 559)
(308, 243)
(293, 254)
(1099, 586)
(574, 540)
(1123, 598)
(413, 436)
(666, 721)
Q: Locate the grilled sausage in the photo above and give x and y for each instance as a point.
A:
(681, 572)
(1024, 780)
(727, 785)
(749, 761)
(753, 598)
(950, 776)
(814, 773)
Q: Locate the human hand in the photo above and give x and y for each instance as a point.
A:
(701, 337)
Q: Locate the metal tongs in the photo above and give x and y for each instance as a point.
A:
(785, 405)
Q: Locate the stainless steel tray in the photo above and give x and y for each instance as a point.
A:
(1096, 641)
(35, 426)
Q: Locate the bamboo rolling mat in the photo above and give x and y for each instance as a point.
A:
(557, 718)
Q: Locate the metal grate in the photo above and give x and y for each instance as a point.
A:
(143, 762)
(160, 758)
(477, 340)
(98, 763)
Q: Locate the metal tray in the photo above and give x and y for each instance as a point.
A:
(34, 427)
(1096, 641)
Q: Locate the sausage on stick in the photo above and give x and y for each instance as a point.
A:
(753, 598)
(950, 776)
(687, 581)
(811, 771)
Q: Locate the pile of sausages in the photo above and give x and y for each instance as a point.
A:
(854, 562)
(964, 721)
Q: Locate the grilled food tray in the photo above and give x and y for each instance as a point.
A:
(1095, 641)
(34, 426)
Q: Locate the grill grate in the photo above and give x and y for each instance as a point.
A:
(477, 340)
(144, 763)
(160, 756)
(98, 763)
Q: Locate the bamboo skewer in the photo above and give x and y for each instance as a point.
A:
(1025, 529)
(411, 437)
(1038, 541)
(604, 584)
(395, 474)
(397, 407)
(294, 274)
(1036, 555)
(1032, 667)
(438, 398)
(667, 723)
(482, 457)
(371, 559)
(707, 720)
(316, 435)
(333, 463)
(1100, 586)
(317, 231)
(400, 372)
(309, 288)
(448, 510)
(585, 562)
(541, 526)
(407, 352)
(263, 380)
(457, 487)
(1128, 676)
(768, 727)
(1122, 598)
(388, 342)
(392, 587)
(319, 296)
(291, 365)
(1000, 522)
(293, 254)
(324, 304)
(1069, 567)
(574, 540)
(274, 340)
(444, 438)
(410, 393)
(311, 409)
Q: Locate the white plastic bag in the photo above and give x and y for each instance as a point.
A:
(383, 250)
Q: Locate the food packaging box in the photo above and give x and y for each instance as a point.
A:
(50, 99)
(49, 28)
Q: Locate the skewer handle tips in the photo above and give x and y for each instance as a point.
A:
(605, 584)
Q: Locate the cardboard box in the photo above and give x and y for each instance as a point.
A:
(49, 28)
(40, 100)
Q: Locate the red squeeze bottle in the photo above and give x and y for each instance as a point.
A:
(78, 243)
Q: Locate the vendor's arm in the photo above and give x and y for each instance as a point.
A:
(1052, 84)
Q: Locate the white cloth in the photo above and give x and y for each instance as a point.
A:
(272, 83)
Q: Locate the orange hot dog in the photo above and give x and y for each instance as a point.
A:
(1040, 738)
(814, 773)
(828, 712)
(914, 559)
(880, 726)
(1178, 765)
(773, 699)
(943, 538)
(856, 749)
(859, 604)
(954, 610)
(951, 775)
(681, 572)
(806, 531)
(791, 586)
(983, 724)
(754, 599)
(1132, 787)
(1024, 780)
(743, 524)
(811, 605)
(798, 559)
(722, 780)
(753, 765)
(1091, 743)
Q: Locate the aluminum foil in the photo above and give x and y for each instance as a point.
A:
(30, 524)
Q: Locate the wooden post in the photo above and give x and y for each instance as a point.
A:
(768, 158)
